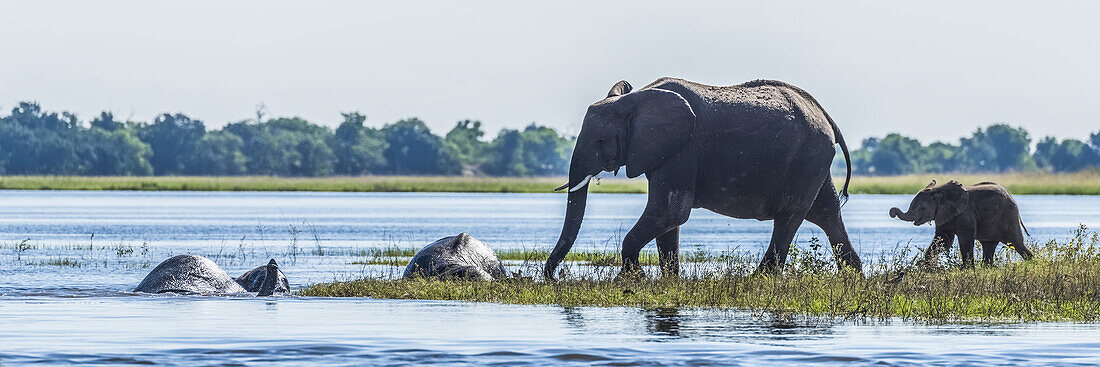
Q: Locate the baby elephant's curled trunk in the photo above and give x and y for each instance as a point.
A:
(897, 213)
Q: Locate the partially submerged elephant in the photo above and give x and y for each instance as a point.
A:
(757, 150)
(985, 212)
(460, 256)
(197, 274)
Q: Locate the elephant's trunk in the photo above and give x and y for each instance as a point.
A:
(906, 216)
(574, 214)
(271, 279)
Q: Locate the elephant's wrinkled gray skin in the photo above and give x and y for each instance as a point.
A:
(460, 256)
(759, 150)
(984, 212)
(197, 274)
(254, 280)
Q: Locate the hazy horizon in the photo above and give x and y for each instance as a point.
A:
(934, 71)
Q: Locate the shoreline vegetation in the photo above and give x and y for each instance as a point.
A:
(1080, 183)
(1062, 283)
(43, 142)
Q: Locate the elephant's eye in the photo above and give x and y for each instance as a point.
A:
(601, 140)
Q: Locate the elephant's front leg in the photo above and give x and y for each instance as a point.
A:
(665, 211)
(668, 252)
(966, 249)
(940, 243)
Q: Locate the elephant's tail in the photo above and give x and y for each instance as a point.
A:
(843, 148)
(847, 160)
(1025, 228)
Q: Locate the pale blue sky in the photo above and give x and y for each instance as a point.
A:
(933, 70)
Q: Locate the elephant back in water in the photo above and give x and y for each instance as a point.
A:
(460, 256)
(189, 274)
(197, 274)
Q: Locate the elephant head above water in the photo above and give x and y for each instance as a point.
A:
(757, 150)
(197, 274)
(461, 256)
(265, 280)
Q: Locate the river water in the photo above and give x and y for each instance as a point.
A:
(68, 260)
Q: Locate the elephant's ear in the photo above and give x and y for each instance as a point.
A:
(620, 88)
(661, 123)
(953, 200)
(930, 185)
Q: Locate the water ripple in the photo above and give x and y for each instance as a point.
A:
(84, 313)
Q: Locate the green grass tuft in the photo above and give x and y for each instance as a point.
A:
(61, 262)
(401, 255)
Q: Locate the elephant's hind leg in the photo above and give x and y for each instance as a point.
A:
(825, 213)
(989, 248)
(787, 221)
(783, 230)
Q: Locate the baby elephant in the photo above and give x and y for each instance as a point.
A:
(460, 256)
(983, 212)
(197, 274)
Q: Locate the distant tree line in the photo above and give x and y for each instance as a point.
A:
(37, 142)
(997, 148)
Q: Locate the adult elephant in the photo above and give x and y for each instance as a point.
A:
(759, 150)
(197, 274)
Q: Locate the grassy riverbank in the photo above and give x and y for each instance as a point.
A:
(1084, 183)
(1061, 284)
(402, 255)
(338, 184)
(1081, 183)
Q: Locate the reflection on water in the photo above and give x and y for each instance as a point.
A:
(80, 310)
(292, 331)
(573, 318)
(663, 321)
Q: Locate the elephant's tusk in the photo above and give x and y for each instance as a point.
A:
(583, 183)
(562, 187)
